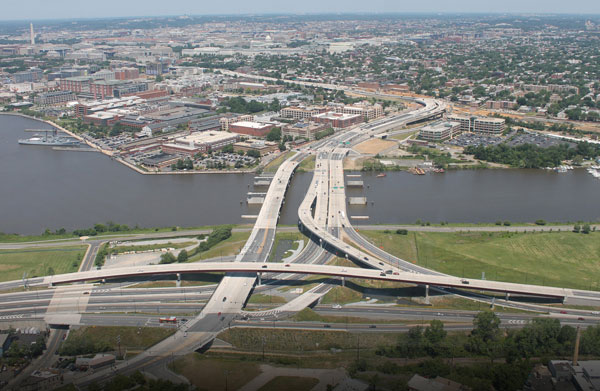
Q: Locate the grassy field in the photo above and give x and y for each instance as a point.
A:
(213, 373)
(259, 298)
(231, 246)
(563, 259)
(293, 236)
(131, 337)
(290, 341)
(39, 261)
(275, 163)
(307, 164)
(290, 383)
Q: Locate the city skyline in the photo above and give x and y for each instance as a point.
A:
(70, 9)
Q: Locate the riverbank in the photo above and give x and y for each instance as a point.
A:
(122, 161)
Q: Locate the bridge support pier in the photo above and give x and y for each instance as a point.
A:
(427, 294)
(343, 281)
(178, 282)
(259, 279)
(507, 297)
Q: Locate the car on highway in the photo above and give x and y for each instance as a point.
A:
(595, 313)
(396, 273)
(372, 326)
(580, 318)
(563, 312)
(464, 282)
(86, 293)
(382, 274)
(224, 299)
(336, 306)
(327, 326)
(287, 265)
(264, 266)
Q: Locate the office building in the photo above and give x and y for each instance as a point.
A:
(305, 130)
(251, 128)
(440, 131)
(202, 142)
(338, 120)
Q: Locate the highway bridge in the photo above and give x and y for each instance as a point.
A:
(255, 268)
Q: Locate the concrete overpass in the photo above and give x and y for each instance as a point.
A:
(255, 268)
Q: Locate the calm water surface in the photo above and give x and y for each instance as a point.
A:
(42, 188)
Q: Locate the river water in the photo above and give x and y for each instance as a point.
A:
(42, 188)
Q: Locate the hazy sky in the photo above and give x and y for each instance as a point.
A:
(52, 9)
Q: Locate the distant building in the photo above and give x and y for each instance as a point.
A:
(365, 109)
(302, 112)
(227, 119)
(54, 98)
(484, 125)
(251, 128)
(200, 143)
(338, 120)
(127, 73)
(500, 104)
(306, 130)
(31, 76)
(440, 131)
(263, 147)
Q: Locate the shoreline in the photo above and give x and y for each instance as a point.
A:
(120, 160)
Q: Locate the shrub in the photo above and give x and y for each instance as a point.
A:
(402, 232)
(540, 222)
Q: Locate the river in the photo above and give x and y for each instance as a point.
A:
(41, 188)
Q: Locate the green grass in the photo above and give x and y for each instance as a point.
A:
(275, 163)
(39, 261)
(131, 337)
(562, 259)
(307, 164)
(342, 295)
(403, 136)
(293, 236)
(258, 298)
(230, 246)
(213, 373)
(289, 341)
(290, 383)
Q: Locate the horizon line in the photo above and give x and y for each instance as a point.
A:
(352, 13)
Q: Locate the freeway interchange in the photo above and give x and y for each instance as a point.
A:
(322, 217)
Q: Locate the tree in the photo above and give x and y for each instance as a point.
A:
(586, 229)
(167, 258)
(576, 228)
(484, 338)
(274, 134)
(182, 256)
(435, 333)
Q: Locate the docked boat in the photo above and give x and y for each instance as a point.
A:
(51, 140)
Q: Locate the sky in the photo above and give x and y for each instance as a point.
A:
(67, 9)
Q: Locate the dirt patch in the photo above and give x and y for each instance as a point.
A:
(374, 146)
(353, 163)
